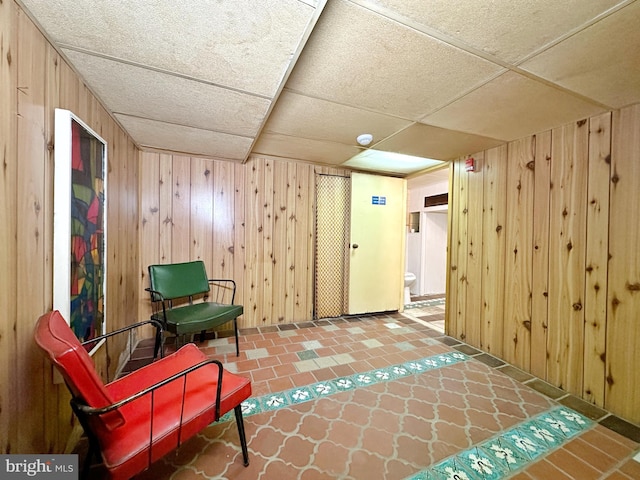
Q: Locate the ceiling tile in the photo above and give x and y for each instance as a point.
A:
(187, 140)
(433, 142)
(248, 45)
(601, 62)
(357, 57)
(301, 116)
(149, 94)
(507, 30)
(317, 151)
(510, 107)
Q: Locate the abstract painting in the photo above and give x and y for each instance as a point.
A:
(80, 226)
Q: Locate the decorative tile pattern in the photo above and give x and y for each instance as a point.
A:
(504, 454)
(296, 395)
(425, 303)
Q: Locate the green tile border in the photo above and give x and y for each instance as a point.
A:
(314, 391)
(425, 303)
(508, 452)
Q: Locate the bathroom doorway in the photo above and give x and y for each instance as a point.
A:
(433, 267)
(426, 254)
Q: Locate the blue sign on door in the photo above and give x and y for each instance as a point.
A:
(376, 200)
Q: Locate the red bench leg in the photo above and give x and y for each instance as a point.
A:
(241, 434)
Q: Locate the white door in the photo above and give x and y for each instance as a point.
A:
(377, 243)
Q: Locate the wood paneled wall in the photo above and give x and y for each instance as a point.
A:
(544, 270)
(34, 80)
(251, 222)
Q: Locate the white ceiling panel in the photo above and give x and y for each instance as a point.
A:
(185, 140)
(508, 30)
(302, 116)
(510, 107)
(433, 142)
(245, 45)
(356, 57)
(601, 62)
(149, 94)
(316, 151)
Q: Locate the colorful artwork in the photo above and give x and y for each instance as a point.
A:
(79, 227)
(87, 234)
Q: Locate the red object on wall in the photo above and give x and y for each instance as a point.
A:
(470, 165)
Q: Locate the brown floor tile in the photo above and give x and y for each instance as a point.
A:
(617, 476)
(389, 430)
(572, 465)
(324, 374)
(591, 455)
(543, 470)
(280, 384)
(631, 468)
(343, 370)
(610, 442)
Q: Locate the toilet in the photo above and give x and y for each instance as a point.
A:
(409, 278)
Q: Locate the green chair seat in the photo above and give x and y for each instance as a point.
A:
(198, 317)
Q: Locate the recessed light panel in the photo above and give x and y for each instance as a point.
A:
(390, 162)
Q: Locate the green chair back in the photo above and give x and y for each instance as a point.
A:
(177, 280)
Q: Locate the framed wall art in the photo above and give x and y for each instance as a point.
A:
(79, 226)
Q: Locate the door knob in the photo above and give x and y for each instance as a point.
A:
(355, 245)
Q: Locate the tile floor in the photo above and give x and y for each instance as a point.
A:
(391, 397)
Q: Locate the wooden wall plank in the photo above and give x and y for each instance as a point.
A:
(474, 253)
(253, 243)
(239, 251)
(201, 210)
(149, 224)
(180, 209)
(33, 154)
(493, 249)
(622, 394)
(597, 257)
(223, 220)
(540, 272)
(518, 265)
(290, 262)
(165, 205)
(57, 431)
(279, 242)
(304, 242)
(453, 244)
(8, 224)
(567, 237)
(267, 242)
(128, 156)
(462, 251)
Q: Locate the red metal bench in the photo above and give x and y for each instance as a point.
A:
(139, 418)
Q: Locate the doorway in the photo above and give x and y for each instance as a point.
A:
(359, 251)
(427, 241)
(433, 265)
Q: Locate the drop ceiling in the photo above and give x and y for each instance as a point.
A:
(301, 79)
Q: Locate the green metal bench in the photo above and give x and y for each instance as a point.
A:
(176, 289)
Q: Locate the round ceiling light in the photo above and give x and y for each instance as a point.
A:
(364, 139)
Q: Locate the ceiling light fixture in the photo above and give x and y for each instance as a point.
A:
(364, 139)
